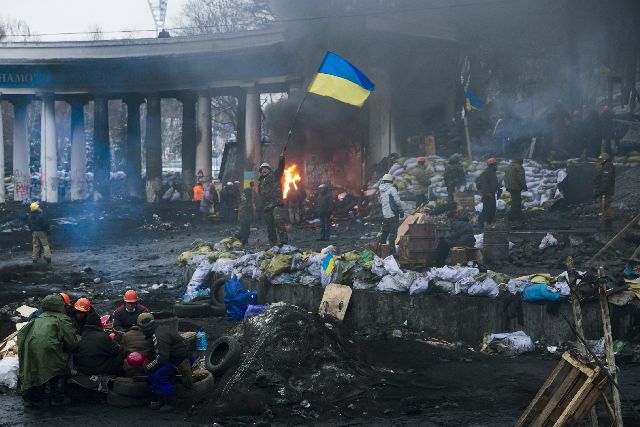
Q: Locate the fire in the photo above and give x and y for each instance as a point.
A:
(291, 175)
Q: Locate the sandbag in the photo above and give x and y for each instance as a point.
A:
(9, 372)
(278, 264)
(515, 342)
(486, 288)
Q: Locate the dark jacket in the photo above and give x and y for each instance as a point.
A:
(168, 346)
(487, 182)
(38, 221)
(514, 177)
(454, 175)
(245, 211)
(96, 353)
(134, 340)
(461, 234)
(228, 196)
(270, 187)
(605, 180)
(325, 202)
(123, 320)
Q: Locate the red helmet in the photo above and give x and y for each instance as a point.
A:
(491, 161)
(83, 305)
(136, 360)
(65, 297)
(130, 296)
(422, 159)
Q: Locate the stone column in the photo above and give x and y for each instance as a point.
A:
(252, 129)
(241, 116)
(48, 150)
(1, 154)
(133, 155)
(78, 151)
(382, 140)
(188, 145)
(21, 153)
(153, 148)
(101, 149)
(203, 136)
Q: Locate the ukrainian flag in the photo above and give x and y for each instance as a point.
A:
(473, 102)
(328, 264)
(340, 80)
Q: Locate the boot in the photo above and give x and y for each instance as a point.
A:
(168, 403)
(58, 397)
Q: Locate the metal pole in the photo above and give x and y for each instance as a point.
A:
(466, 135)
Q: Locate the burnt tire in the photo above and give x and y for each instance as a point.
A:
(120, 401)
(218, 307)
(135, 389)
(224, 354)
(192, 309)
(203, 386)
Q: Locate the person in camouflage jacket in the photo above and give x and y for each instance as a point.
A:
(454, 176)
(270, 190)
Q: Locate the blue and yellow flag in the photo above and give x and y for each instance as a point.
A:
(473, 102)
(340, 80)
(328, 264)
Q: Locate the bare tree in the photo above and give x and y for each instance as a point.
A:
(224, 16)
(95, 33)
(14, 30)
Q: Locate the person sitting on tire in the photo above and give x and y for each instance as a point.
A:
(96, 354)
(126, 316)
(171, 354)
(135, 341)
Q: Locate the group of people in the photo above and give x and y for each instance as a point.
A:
(61, 338)
(208, 199)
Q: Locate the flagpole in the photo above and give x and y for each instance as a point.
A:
(295, 119)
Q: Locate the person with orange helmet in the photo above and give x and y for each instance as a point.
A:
(67, 305)
(82, 308)
(489, 188)
(126, 316)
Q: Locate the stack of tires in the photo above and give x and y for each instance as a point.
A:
(213, 306)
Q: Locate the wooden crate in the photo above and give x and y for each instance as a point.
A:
(567, 395)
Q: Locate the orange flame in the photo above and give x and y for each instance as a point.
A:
(291, 176)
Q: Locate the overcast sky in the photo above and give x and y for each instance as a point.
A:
(63, 16)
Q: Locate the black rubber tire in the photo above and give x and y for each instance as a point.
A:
(218, 306)
(203, 386)
(192, 309)
(225, 353)
(138, 389)
(115, 399)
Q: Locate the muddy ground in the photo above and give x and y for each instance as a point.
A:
(124, 244)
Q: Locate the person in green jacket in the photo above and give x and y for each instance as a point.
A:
(44, 345)
(514, 180)
(420, 181)
(270, 190)
(454, 176)
(245, 214)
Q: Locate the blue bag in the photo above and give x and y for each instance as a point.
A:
(536, 293)
(254, 310)
(237, 298)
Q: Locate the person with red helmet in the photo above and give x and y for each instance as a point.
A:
(82, 308)
(489, 188)
(125, 316)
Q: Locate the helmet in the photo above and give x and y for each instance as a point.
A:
(144, 318)
(34, 206)
(65, 297)
(130, 296)
(387, 177)
(265, 165)
(422, 159)
(83, 305)
(136, 359)
(603, 157)
(229, 183)
(322, 186)
(491, 161)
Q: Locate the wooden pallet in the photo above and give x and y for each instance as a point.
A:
(568, 395)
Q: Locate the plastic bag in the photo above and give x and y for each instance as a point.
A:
(443, 286)
(419, 285)
(486, 288)
(378, 267)
(237, 298)
(197, 279)
(535, 293)
(515, 342)
(548, 241)
(451, 274)
(516, 286)
(479, 241)
(462, 286)
(9, 372)
(395, 283)
(391, 265)
(253, 310)
(366, 258)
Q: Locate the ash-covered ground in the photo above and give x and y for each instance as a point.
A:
(101, 250)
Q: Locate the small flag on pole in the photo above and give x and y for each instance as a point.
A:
(473, 102)
(338, 79)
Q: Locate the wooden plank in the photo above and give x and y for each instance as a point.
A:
(577, 364)
(404, 227)
(335, 301)
(590, 400)
(547, 384)
(577, 399)
(608, 407)
(557, 397)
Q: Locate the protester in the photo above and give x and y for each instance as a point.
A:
(171, 353)
(67, 305)
(515, 182)
(245, 214)
(135, 341)
(227, 202)
(39, 226)
(126, 315)
(460, 234)
(270, 189)
(420, 181)
(325, 209)
(489, 188)
(82, 308)
(603, 189)
(44, 346)
(96, 354)
(295, 202)
(454, 176)
(391, 211)
(198, 195)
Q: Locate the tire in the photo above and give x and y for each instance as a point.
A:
(115, 399)
(218, 307)
(135, 389)
(203, 386)
(224, 354)
(192, 309)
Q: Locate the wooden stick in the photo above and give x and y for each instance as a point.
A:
(466, 134)
(615, 238)
(295, 119)
(636, 253)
